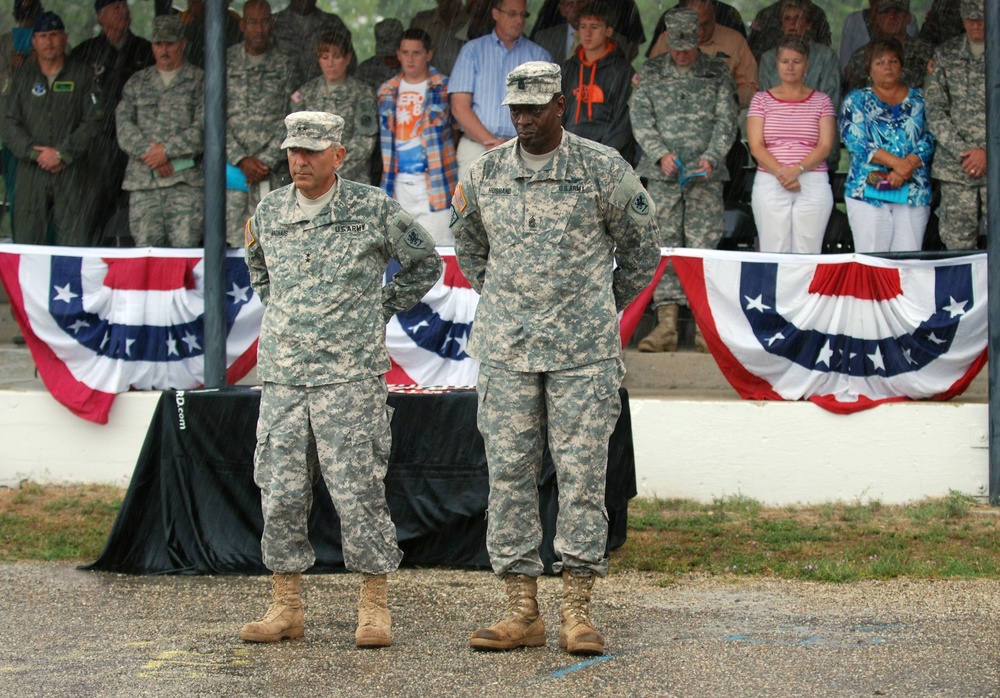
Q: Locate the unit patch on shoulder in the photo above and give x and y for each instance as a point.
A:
(636, 79)
(415, 239)
(930, 66)
(454, 217)
(248, 235)
(640, 204)
(297, 97)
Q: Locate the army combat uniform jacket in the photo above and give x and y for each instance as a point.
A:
(321, 282)
(540, 250)
(955, 100)
(151, 112)
(691, 114)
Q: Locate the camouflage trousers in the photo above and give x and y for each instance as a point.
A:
(340, 432)
(688, 217)
(961, 210)
(173, 216)
(578, 408)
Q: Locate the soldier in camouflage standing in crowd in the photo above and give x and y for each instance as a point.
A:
(539, 222)
(317, 251)
(338, 93)
(259, 81)
(160, 122)
(955, 95)
(683, 112)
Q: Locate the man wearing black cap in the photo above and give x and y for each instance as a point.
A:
(51, 117)
(115, 55)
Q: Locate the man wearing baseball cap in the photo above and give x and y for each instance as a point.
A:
(317, 250)
(891, 20)
(557, 235)
(51, 117)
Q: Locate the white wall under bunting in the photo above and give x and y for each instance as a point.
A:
(776, 452)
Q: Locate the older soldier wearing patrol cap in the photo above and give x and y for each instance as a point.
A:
(955, 96)
(539, 223)
(317, 250)
(52, 115)
(683, 112)
(160, 121)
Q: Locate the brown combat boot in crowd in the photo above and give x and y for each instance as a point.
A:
(664, 335)
(374, 623)
(522, 626)
(577, 634)
(284, 618)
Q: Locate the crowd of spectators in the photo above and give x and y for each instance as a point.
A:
(109, 134)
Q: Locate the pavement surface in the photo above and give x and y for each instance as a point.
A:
(69, 632)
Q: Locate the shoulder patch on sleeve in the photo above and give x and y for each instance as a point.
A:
(633, 199)
(248, 234)
(454, 217)
(459, 199)
(414, 239)
(930, 66)
(636, 79)
(297, 97)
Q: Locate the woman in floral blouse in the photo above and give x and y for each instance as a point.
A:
(888, 189)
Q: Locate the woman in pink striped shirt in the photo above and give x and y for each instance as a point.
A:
(790, 130)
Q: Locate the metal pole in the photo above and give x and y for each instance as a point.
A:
(992, 17)
(215, 194)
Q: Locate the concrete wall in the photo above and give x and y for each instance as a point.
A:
(776, 452)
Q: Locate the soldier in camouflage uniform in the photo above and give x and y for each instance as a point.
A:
(338, 93)
(52, 115)
(891, 20)
(160, 122)
(683, 112)
(955, 97)
(317, 250)
(539, 222)
(259, 81)
(297, 30)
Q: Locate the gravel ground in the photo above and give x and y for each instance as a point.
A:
(69, 632)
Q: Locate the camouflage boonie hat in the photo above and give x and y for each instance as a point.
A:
(312, 130)
(167, 29)
(972, 9)
(534, 82)
(886, 5)
(681, 25)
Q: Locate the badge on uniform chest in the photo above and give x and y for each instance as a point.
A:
(38, 90)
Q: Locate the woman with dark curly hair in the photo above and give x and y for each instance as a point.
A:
(883, 127)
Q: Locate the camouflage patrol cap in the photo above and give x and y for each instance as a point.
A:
(312, 130)
(167, 29)
(681, 26)
(534, 82)
(972, 9)
(886, 5)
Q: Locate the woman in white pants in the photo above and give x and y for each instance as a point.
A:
(790, 130)
(888, 188)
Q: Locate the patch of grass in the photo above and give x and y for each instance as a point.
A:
(948, 537)
(56, 523)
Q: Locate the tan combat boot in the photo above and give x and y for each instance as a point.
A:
(374, 623)
(664, 335)
(577, 634)
(284, 618)
(522, 626)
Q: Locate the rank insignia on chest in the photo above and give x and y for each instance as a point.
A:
(38, 90)
(63, 86)
(532, 222)
(414, 239)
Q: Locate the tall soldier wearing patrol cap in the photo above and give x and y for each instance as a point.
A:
(51, 117)
(540, 223)
(317, 250)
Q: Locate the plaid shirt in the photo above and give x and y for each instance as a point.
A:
(435, 137)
